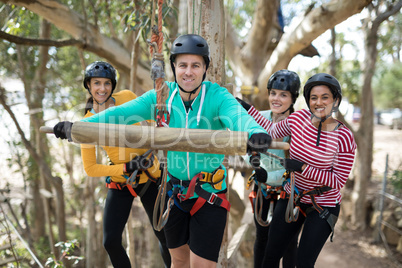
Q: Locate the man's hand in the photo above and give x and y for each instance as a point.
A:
(244, 104)
(62, 130)
(292, 164)
(259, 143)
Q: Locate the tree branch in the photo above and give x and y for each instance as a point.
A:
(70, 21)
(391, 10)
(41, 162)
(313, 25)
(39, 42)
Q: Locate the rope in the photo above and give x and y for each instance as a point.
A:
(160, 216)
(158, 66)
(292, 211)
(258, 206)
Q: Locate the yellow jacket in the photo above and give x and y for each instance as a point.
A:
(117, 155)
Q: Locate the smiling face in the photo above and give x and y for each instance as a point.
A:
(190, 70)
(321, 101)
(100, 88)
(279, 100)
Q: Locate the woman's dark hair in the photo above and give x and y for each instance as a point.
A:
(291, 109)
(89, 105)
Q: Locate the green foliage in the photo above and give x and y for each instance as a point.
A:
(390, 39)
(67, 249)
(42, 247)
(387, 89)
(349, 75)
(396, 180)
(241, 13)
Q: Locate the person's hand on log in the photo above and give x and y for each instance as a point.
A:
(293, 165)
(260, 174)
(258, 143)
(244, 104)
(139, 162)
(62, 130)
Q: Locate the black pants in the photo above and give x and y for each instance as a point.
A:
(261, 240)
(117, 209)
(313, 237)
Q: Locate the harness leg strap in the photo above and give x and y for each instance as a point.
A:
(331, 219)
(213, 199)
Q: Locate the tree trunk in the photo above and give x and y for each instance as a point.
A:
(92, 245)
(211, 25)
(364, 135)
(208, 20)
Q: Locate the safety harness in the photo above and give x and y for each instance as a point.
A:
(270, 192)
(293, 208)
(133, 180)
(176, 187)
(256, 198)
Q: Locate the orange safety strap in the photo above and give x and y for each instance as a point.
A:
(120, 186)
(251, 196)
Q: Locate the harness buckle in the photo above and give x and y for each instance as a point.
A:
(215, 178)
(250, 181)
(212, 198)
(206, 177)
(324, 214)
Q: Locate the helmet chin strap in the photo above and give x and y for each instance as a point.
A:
(287, 109)
(190, 93)
(101, 102)
(321, 121)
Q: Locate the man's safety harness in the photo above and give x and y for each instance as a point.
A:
(133, 180)
(175, 188)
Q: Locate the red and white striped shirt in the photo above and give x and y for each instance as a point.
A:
(328, 164)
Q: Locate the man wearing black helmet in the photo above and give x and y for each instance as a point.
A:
(197, 220)
(100, 81)
(322, 153)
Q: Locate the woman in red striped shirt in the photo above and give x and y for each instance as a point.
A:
(322, 153)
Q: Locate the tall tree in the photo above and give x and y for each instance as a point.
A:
(378, 12)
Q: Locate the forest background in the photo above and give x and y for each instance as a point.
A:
(45, 46)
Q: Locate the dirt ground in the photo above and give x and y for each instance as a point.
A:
(351, 248)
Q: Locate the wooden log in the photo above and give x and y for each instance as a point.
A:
(163, 138)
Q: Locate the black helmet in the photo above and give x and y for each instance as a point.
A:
(285, 80)
(100, 69)
(189, 44)
(323, 79)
